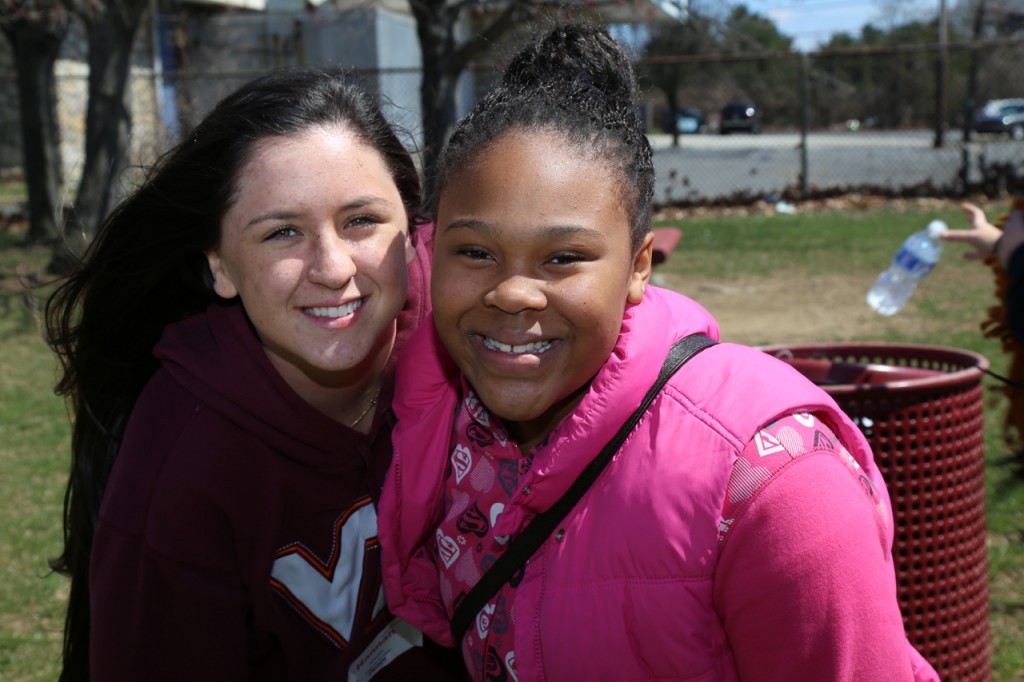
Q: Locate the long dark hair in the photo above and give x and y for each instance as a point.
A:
(147, 268)
(576, 81)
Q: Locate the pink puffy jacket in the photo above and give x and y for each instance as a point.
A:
(637, 587)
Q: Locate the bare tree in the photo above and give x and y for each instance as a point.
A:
(694, 37)
(36, 29)
(110, 27)
(445, 57)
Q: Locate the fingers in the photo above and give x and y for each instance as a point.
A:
(982, 236)
(982, 243)
(975, 216)
(959, 235)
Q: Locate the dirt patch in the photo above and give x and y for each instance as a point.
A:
(789, 309)
(796, 308)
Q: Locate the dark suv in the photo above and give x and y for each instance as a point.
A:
(739, 116)
(1001, 116)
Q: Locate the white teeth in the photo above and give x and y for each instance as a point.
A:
(536, 347)
(336, 311)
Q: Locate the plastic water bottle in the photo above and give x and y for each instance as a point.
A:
(915, 259)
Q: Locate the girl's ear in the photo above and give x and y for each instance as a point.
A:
(222, 284)
(641, 270)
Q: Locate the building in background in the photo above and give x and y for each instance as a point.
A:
(190, 53)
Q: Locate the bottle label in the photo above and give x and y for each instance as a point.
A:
(912, 264)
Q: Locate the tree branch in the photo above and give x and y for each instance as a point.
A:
(479, 43)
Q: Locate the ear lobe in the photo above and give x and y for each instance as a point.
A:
(222, 284)
(641, 272)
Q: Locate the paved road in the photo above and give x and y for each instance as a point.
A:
(712, 166)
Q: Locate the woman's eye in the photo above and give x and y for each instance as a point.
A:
(363, 221)
(283, 232)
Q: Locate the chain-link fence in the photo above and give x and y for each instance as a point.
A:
(184, 63)
(894, 120)
(891, 120)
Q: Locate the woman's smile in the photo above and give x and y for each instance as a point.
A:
(335, 311)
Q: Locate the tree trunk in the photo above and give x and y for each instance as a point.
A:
(444, 59)
(672, 101)
(438, 99)
(438, 87)
(35, 46)
(111, 35)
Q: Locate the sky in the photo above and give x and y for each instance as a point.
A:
(811, 22)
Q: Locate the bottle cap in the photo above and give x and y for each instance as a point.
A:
(935, 228)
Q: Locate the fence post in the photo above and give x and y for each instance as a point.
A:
(805, 124)
(942, 68)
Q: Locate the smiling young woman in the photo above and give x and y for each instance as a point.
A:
(316, 245)
(227, 346)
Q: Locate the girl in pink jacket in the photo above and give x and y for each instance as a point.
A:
(742, 530)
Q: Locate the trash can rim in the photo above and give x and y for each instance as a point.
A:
(972, 364)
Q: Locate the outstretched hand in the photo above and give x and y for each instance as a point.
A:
(983, 235)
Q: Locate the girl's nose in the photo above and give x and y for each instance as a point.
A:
(516, 294)
(331, 262)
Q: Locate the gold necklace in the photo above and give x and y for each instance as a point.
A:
(373, 404)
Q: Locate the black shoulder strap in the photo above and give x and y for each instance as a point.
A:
(526, 543)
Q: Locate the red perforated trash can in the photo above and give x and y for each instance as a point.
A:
(920, 408)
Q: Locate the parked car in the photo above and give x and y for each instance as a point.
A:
(739, 116)
(1001, 116)
(690, 120)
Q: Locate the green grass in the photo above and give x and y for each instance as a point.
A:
(856, 245)
(810, 247)
(34, 443)
(860, 242)
(12, 191)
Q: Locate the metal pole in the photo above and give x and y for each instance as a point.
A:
(970, 100)
(940, 76)
(805, 122)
